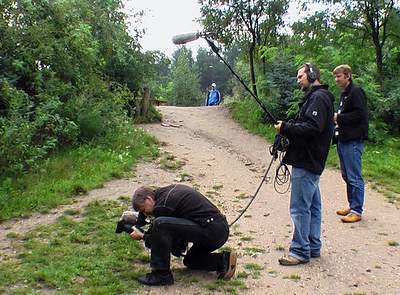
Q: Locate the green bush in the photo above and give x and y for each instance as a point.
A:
(389, 108)
(28, 132)
(96, 109)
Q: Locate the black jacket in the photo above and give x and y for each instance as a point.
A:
(310, 133)
(182, 201)
(352, 115)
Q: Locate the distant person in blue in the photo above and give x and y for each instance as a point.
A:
(213, 96)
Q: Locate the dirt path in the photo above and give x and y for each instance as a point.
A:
(227, 163)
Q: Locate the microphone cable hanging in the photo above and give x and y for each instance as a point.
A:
(277, 150)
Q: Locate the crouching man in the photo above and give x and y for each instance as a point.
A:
(182, 213)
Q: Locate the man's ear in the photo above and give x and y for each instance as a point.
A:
(149, 197)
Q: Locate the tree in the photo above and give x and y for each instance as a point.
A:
(212, 70)
(371, 17)
(185, 79)
(248, 22)
(67, 67)
(160, 69)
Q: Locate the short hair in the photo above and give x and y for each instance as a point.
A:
(314, 68)
(345, 69)
(140, 195)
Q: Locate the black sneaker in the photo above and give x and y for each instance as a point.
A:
(156, 278)
(229, 260)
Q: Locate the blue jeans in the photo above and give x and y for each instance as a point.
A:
(350, 165)
(305, 210)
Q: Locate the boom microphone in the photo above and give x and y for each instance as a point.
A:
(185, 38)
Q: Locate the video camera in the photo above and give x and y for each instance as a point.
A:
(127, 224)
(127, 221)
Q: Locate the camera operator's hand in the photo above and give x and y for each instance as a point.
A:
(278, 126)
(136, 234)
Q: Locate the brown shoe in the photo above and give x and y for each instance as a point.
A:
(290, 260)
(343, 212)
(352, 217)
(230, 260)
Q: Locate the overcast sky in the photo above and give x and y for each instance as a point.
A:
(165, 18)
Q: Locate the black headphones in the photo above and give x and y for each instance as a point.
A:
(311, 76)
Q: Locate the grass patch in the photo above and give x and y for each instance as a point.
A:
(184, 177)
(246, 238)
(169, 162)
(381, 163)
(217, 187)
(13, 235)
(273, 273)
(225, 248)
(243, 196)
(84, 257)
(242, 275)
(254, 269)
(227, 287)
(72, 172)
(253, 250)
(293, 277)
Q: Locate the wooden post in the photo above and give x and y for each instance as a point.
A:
(145, 101)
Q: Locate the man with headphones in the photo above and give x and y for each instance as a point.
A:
(309, 136)
(351, 130)
(180, 212)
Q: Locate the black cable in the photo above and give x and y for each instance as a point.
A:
(282, 173)
(258, 189)
(216, 51)
(282, 176)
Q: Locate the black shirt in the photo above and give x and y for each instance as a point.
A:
(182, 201)
(310, 133)
(352, 115)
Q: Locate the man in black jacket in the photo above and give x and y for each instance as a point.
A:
(351, 129)
(183, 213)
(309, 135)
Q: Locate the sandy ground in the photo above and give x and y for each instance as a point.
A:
(227, 163)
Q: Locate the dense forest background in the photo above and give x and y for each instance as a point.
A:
(70, 74)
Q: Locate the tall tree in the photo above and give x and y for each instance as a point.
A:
(212, 70)
(372, 17)
(247, 22)
(185, 80)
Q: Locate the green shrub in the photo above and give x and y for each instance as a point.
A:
(389, 108)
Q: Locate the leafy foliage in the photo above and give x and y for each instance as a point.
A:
(185, 87)
(67, 70)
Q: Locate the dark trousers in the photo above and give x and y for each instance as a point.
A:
(205, 239)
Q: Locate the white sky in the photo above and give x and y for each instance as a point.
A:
(165, 18)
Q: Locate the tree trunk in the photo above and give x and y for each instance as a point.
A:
(379, 61)
(252, 71)
(145, 102)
